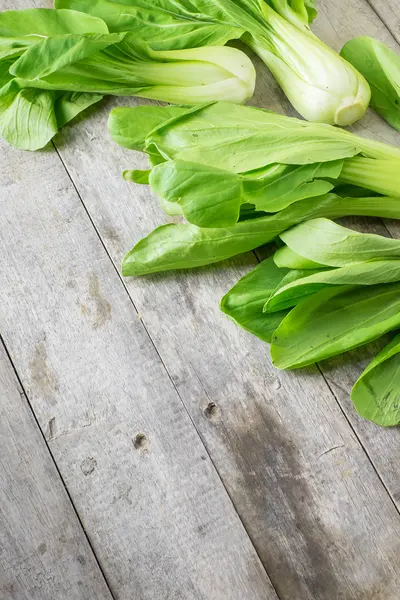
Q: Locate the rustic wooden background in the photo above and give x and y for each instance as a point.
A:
(148, 449)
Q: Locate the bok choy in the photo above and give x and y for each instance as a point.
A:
(320, 84)
(55, 63)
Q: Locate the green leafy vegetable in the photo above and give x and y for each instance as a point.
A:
(364, 273)
(211, 160)
(321, 85)
(165, 24)
(212, 197)
(327, 243)
(179, 246)
(381, 67)
(64, 52)
(242, 138)
(333, 321)
(244, 302)
(376, 394)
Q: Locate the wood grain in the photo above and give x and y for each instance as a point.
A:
(300, 480)
(310, 499)
(159, 519)
(44, 554)
(388, 11)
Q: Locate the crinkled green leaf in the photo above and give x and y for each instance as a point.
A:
(245, 301)
(381, 68)
(333, 321)
(376, 394)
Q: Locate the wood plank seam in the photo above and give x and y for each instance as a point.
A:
(25, 395)
(165, 367)
(382, 19)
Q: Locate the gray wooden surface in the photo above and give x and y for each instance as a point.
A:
(279, 482)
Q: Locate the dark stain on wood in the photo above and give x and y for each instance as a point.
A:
(280, 497)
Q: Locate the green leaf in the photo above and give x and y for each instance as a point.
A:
(184, 246)
(129, 127)
(243, 138)
(361, 274)
(208, 197)
(276, 188)
(68, 105)
(56, 52)
(332, 245)
(45, 22)
(376, 394)
(334, 321)
(287, 258)
(298, 12)
(245, 301)
(27, 117)
(381, 68)
(137, 176)
(21, 29)
(165, 24)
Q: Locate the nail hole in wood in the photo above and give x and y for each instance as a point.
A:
(212, 411)
(140, 442)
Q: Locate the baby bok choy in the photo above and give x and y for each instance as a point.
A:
(246, 171)
(55, 63)
(342, 291)
(320, 84)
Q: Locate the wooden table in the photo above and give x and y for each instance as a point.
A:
(148, 449)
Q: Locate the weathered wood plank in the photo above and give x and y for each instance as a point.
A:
(319, 518)
(389, 12)
(302, 484)
(159, 519)
(44, 554)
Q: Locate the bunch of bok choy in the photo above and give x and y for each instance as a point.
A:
(56, 63)
(242, 175)
(321, 85)
(327, 291)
